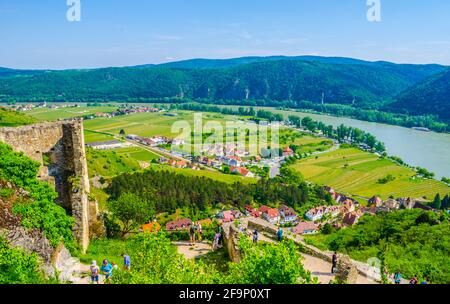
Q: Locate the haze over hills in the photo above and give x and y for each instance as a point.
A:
(277, 78)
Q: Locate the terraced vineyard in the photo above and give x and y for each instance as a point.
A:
(356, 172)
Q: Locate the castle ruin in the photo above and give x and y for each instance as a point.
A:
(59, 148)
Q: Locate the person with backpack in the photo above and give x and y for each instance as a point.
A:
(334, 260)
(126, 261)
(192, 229)
(280, 234)
(255, 236)
(107, 269)
(95, 271)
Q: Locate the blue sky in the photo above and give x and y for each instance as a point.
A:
(36, 34)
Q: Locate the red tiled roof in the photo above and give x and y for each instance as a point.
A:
(242, 171)
(301, 227)
(350, 218)
(287, 210)
(179, 224)
(272, 213)
(263, 209)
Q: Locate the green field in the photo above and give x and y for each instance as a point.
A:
(47, 114)
(227, 178)
(356, 172)
(10, 118)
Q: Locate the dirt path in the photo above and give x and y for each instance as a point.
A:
(192, 252)
(319, 268)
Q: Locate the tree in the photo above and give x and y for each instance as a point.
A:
(122, 132)
(291, 176)
(437, 204)
(446, 202)
(327, 229)
(268, 264)
(132, 211)
(226, 170)
(156, 261)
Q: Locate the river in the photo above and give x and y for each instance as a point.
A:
(429, 150)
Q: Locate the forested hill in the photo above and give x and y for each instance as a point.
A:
(338, 80)
(430, 96)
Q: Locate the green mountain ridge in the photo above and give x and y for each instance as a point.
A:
(430, 96)
(276, 78)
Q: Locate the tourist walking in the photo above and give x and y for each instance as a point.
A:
(280, 234)
(95, 271)
(216, 241)
(107, 269)
(334, 260)
(414, 281)
(126, 261)
(255, 236)
(192, 229)
(219, 231)
(200, 231)
(397, 278)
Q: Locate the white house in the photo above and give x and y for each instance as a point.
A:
(272, 215)
(106, 145)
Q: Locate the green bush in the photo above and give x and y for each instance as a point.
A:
(18, 267)
(40, 212)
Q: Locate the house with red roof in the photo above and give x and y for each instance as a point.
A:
(250, 211)
(305, 228)
(288, 152)
(263, 209)
(351, 218)
(242, 171)
(272, 215)
(229, 215)
(288, 214)
(178, 224)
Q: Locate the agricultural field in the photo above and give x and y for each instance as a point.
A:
(146, 124)
(47, 114)
(227, 178)
(356, 172)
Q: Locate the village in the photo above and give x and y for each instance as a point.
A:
(344, 212)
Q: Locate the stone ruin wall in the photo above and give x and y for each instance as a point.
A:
(59, 148)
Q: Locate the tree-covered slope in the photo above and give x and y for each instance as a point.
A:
(271, 79)
(430, 96)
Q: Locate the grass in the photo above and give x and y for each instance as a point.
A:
(215, 175)
(110, 163)
(47, 114)
(10, 118)
(138, 153)
(110, 249)
(356, 172)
